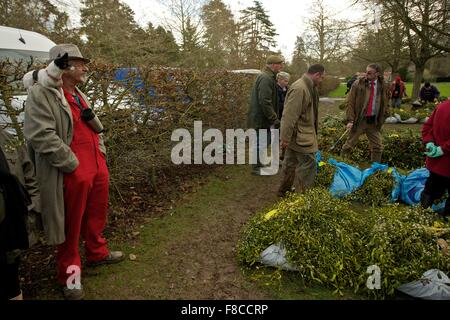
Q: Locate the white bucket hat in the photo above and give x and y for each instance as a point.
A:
(73, 51)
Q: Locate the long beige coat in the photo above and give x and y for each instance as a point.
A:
(48, 129)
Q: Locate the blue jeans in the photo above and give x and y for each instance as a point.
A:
(396, 102)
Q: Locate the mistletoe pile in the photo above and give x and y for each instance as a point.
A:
(331, 242)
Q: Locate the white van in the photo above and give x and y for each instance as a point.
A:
(21, 45)
(18, 44)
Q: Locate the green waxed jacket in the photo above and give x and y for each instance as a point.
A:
(263, 101)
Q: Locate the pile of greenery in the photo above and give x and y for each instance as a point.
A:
(404, 113)
(331, 242)
(325, 175)
(314, 229)
(402, 242)
(376, 190)
(407, 112)
(403, 149)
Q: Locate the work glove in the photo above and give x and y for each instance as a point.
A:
(430, 146)
(62, 62)
(438, 152)
(430, 149)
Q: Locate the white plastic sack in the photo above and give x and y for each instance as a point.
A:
(391, 120)
(397, 116)
(275, 256)
(434, 285)
(411, 120)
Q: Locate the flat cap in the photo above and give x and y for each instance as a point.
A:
(273, 59)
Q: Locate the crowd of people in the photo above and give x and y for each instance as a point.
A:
(369, 100)
(60, 174)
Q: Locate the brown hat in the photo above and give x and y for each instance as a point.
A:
(73, 51)
(273, 59)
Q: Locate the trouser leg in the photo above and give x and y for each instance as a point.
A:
(263, 140)
(95, 216)
(446, 211)
(305, 172)
(434, 189)
(9, 278)
(352, 140)
(76, 189)
(288, 172)
(375, 143)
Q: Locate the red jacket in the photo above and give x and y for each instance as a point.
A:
(402, 89)
(437, 130)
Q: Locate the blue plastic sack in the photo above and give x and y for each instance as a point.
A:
(318, 157)
(413, 186)
(399, 179)
(346, 179)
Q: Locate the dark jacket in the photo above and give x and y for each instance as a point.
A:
(429, 94)
(14, 201)
(263, 111)
(21, 166)
(281, 97)
(437, 130)
(350, 83)
(358, 100)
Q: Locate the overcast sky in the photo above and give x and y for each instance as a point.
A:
(288, 16)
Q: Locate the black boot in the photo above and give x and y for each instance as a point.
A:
(446, 212)
(425, 200)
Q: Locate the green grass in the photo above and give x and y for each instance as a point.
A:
(154, 274)
(443, 87)
(339, 92)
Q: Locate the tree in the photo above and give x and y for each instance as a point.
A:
(220, 33)
(35, 15)
(325, 38)
(185, 23)
(257, 34)
(426, 25)
(184, 17)
(411, 13)
(156, 46)
(112, 33)
(386, 45)
(299, 63)
(192, 55)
